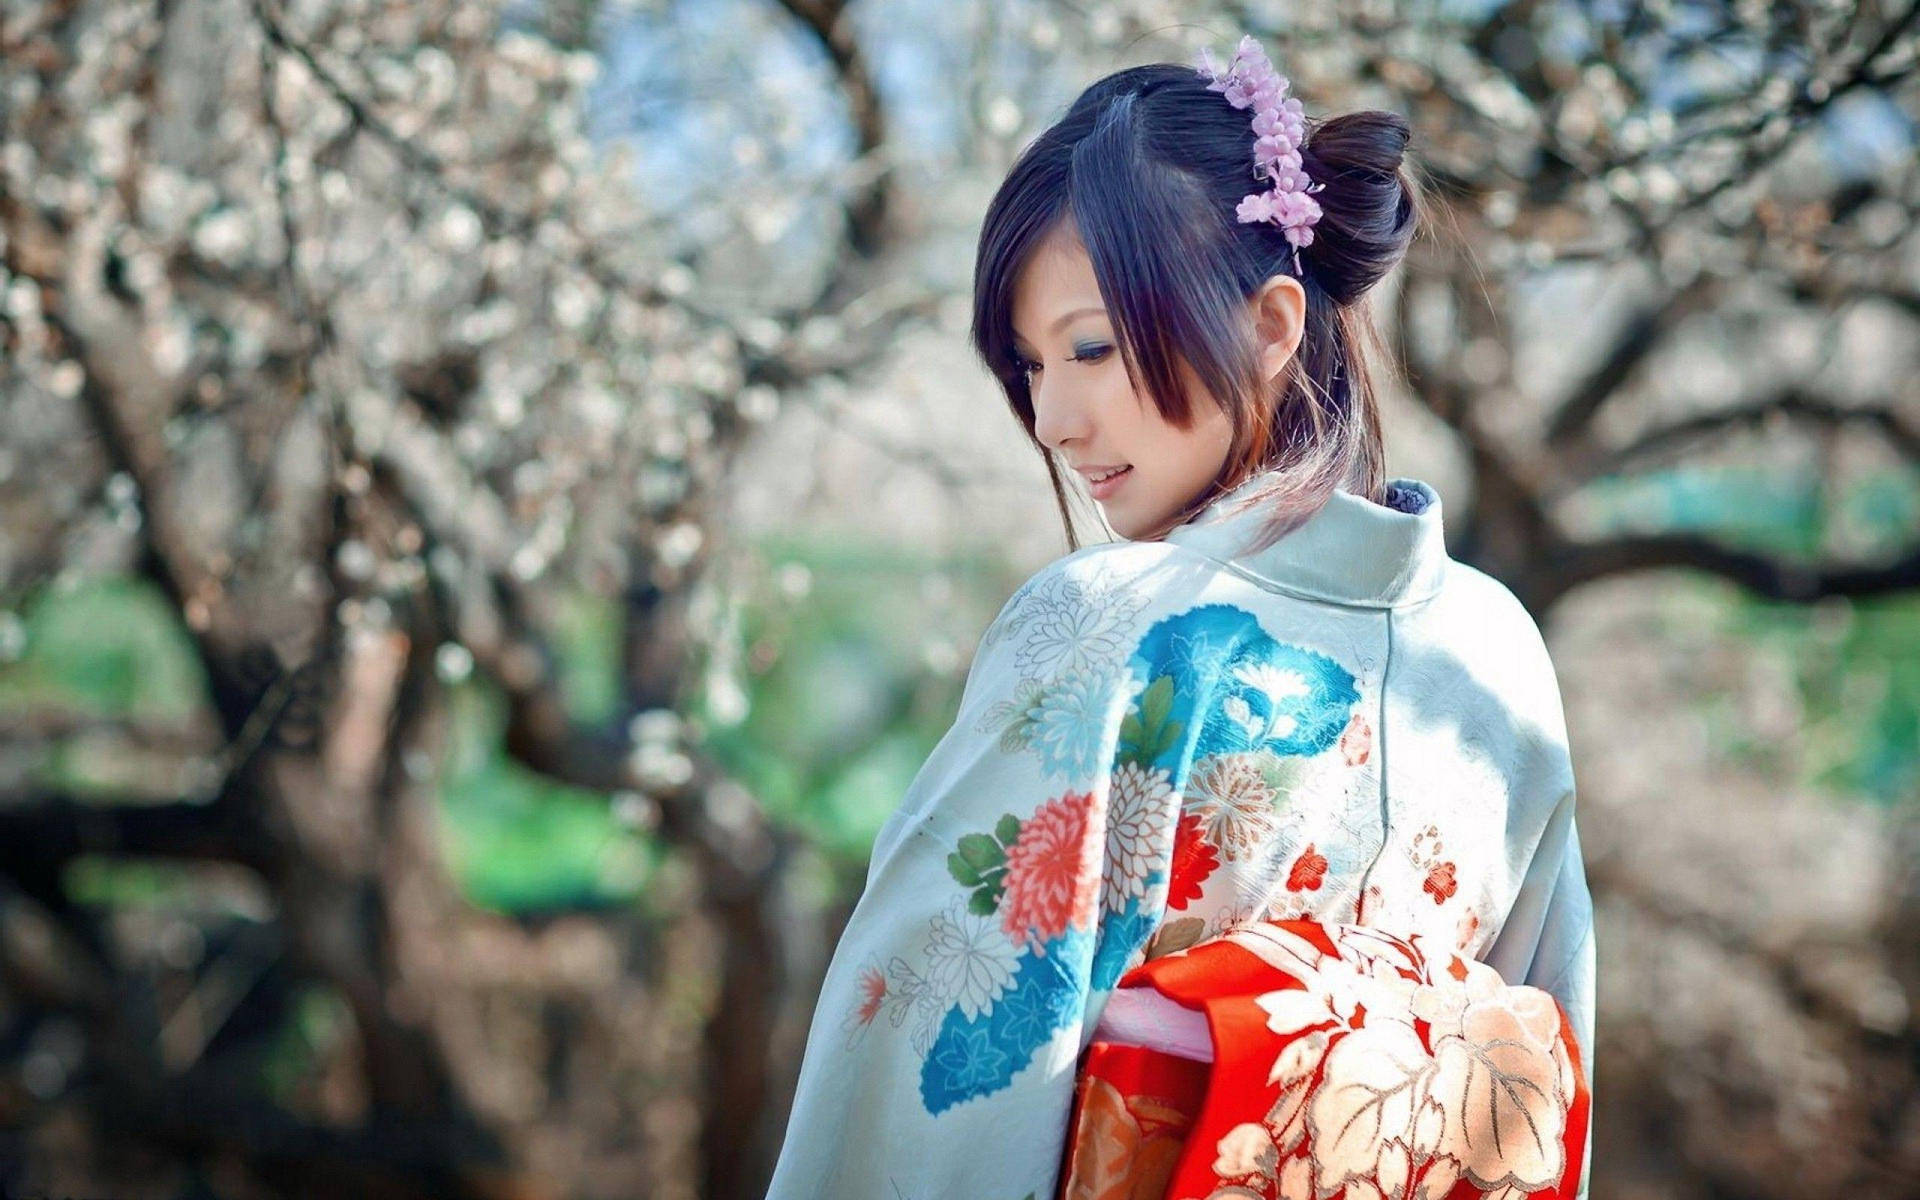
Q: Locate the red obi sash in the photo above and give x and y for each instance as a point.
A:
(1290, 1059)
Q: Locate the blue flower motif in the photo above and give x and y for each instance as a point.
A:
(980, 1055)
(972, 1060)
(1224, 664)
(1192, 653)
(1121, 934)
(1025, 1017)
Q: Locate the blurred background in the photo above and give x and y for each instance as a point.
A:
(496, 505)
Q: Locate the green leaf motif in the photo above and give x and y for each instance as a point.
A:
(1008, 830)
(980, 863)
(981, 852)
(962, 872)
(986, 898)
(1013, 717)
(1149, 730)
(1157, 702)
(1284, 774)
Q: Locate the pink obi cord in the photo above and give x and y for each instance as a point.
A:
(1141, 1016)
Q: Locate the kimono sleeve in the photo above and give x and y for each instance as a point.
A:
(1023, 869)
(1548, 941)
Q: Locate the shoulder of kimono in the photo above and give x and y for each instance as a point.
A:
(1509, 649)
(1495, 607)
(1098, 570)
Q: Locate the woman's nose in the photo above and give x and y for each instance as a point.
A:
(1059, 414)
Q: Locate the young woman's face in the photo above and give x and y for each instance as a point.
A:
(1085, 408)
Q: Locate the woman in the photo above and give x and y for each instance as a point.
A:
(1249, 866)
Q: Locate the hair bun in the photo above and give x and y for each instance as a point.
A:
(1370, 208)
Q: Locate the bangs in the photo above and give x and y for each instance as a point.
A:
(1167, 265)
(1174, 284)
(1028, 206)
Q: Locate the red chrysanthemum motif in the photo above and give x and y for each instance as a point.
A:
(873, 993)
(1356, 743)
(1194, 858)
(1441, 883)
(1308, 870)
(1053, 872)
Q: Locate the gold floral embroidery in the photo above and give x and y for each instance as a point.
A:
(1397, 1076)
(1127, 1146)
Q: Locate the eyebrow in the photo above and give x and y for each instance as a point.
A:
(1068, 316)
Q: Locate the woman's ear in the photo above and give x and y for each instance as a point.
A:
(1280, 321)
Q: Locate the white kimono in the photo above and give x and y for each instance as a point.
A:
(1349, 725)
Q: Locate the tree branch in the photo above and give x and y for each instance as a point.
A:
(1794, 404)
(1764, 576)
(1650, 328)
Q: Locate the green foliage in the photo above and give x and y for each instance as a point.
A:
(110, 648)
(1740, 506)
(1851, 662)
(122, 882)
(518, 842)
(1763, 509)
(317, 1019)
(843, 705)
(114, 649)
(1857, 676)
(587, 650)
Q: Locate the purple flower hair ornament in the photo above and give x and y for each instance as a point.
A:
(1279, 126)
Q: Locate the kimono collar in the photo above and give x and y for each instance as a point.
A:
(1352, 551)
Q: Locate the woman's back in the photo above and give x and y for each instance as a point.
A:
(1417, 754)
(1161, 742)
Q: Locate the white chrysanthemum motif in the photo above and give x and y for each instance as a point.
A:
(1077, 625)
(1139, 798)
(1278, 684)
(969, 960)
(1069, 723)
(1234, 802)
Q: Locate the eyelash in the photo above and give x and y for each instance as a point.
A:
(1026, 367)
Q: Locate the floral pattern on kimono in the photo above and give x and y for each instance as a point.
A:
(1054, 904)
(1345, 1061)
(1153, 755)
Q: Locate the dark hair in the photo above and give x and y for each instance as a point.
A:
(1147, 168)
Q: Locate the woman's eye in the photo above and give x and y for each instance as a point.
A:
(1092, 352)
